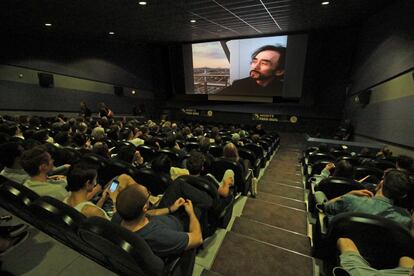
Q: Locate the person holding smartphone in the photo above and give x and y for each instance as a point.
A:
(82, 185)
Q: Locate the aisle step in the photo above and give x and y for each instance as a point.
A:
(241, 255)
(277, 215)
(282, 190)
(294, 203)
(271, 234)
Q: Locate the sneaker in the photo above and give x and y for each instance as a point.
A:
(13, 231)
(15, 242)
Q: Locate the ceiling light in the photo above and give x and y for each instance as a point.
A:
(48, 24)
(133, 92)
(142, 3)
(325, 3)
(111, 33)
(193, 21)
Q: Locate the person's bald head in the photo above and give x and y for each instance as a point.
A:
(131, 203)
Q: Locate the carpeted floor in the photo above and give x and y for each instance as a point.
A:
(270, 237)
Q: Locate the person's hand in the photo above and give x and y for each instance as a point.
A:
(138, 159)
(188, 205)
(330, 166)
(361, 193)
(177, 204)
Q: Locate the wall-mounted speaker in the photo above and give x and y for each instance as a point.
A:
(364, 97)
(118, 90)
(45, 80)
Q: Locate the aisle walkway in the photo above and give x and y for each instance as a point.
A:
(270, 236)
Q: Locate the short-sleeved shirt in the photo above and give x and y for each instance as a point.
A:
(356, 265)
(164, 234)
(16, 175)
(54, 188)
(377, 205)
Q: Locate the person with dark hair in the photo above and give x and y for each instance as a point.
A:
(10, 156)
(162, 229)
(393, 187)
(105, 111)
(81, 181)
(342, 169)
(267, 68)
(84, 110)
(38, 163)
(101, 148)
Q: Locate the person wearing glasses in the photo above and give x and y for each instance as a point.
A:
(167, 231)
(394, 186)
(267, 68)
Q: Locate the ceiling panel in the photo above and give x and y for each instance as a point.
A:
(169, 21)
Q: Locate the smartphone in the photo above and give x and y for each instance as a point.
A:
(113, 186)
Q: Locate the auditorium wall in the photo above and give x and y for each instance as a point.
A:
(83, 70)
(384, 64)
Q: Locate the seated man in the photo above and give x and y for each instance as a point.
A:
(352, 261)
(394, 186)
(10, 155)
(37, 162)
(164, 233)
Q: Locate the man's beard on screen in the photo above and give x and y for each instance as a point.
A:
(256, 75)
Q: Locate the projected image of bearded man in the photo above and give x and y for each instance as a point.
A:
(266, 74)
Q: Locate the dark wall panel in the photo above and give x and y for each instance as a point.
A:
(18, 96)
(390, 121)
(386, 46)
(137, 66)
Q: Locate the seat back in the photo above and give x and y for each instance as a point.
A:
(118, 167)
(384, 164)
(360, 172)
(61, 222)
(216, 150)
(102, 163)
(249, 155)
(16, 198)
(155, 182)
(147, 152)
(379, 240)
(219, 167)
(336, 186)
(189, 146)
(175, 157)
(316, 156)
(126, 252)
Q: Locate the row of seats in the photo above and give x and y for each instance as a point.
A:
(380, 241)
(106, 243)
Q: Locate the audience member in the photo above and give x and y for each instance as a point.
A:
(81, 183)
(393, 187)
(37, 162)
(162, 229)
(10, 158)
(352, 261)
